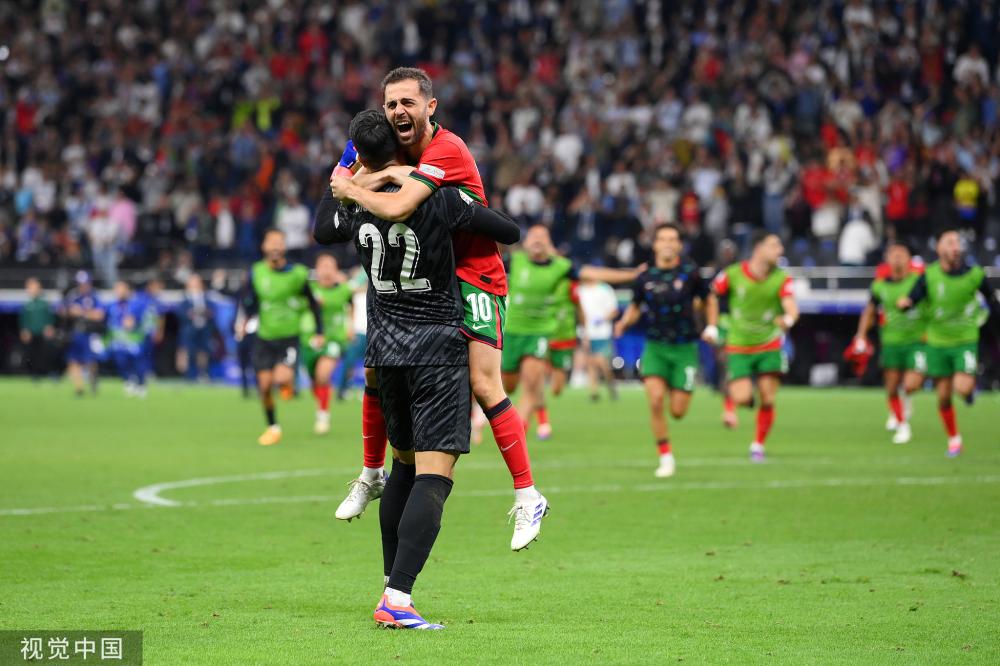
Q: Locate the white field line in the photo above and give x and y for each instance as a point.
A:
(777, 484)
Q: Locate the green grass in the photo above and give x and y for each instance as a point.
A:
(842, 548)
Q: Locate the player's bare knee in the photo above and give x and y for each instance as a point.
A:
(677, 413)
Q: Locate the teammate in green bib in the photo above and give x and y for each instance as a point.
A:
(333, 293)
(762, 309)
(277, 295)
(948, 291)
(902, 333)
(537, 276)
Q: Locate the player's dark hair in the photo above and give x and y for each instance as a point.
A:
(759, 237)
(899, 243)
(410, 74)
(942, 232)
(373, 137)
(273, 230)
(324, 255)
(668, 225)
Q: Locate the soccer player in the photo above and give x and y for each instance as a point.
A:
(600, 308)
(537, 277)
(669, 293)
(419, 355)
(334, 296)
(949, 288)
(85, 315)
(762, 309)
(278, 292)
(124, 316)
(903, 358)
(442, 159)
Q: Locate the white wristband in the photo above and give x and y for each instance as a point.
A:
(789, 320)
(712, 332)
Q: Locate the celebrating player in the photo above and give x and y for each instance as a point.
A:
(902, 358)
(277, 294)
(670, 293)
(949, 288)
(762, 309)
(442, 159)
(418, 353)
(86, 317)
(537, 278)
(334, 296)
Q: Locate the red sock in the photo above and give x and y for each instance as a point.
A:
(729, 405)
(508, 431)
(896, 405)
(765, 417)
(322, 394)
(948, 419)
(663, 446)
(543, 415)
(373, 429)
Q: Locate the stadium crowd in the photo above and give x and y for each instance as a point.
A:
(172, 135)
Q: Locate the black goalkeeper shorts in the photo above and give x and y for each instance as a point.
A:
(269, 353)
(426, 407)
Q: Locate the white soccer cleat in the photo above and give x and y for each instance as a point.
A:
(322, 425)
(527, 521)
(903, 434)
(667, 466)
(955, 446)
(362, 492)
(891, 423)
(544, 431)
(757, 454)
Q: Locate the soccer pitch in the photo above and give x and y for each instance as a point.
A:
(842, 548)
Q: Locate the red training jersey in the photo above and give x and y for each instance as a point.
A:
(447, 162)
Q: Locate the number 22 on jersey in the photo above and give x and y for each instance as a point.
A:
(399, 233)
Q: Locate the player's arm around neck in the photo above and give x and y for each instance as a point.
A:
(391, 206)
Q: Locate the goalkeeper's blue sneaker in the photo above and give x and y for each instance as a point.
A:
(401, 617)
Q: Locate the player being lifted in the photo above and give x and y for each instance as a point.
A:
(669, 293)
(334, 293)
(418, 352)
(442, 159)
(277, 294)
(954, 316)
(762, 309)
(538, 276)
(903, 358)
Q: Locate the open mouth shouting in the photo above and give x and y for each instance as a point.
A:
(405, 130)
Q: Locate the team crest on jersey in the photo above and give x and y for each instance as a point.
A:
(431, 170)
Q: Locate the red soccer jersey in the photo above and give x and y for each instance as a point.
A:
(447, 162)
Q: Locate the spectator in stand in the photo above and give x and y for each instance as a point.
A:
(293, 218)
(857, 239)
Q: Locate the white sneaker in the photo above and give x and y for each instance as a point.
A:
(322, 425)
(527, 521)
(955, 446)
(667, 466)
(903, 434)
(544, 431)
(362, 492)
(891, 423)
(757, 454)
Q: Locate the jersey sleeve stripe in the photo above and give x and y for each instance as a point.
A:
(425, 180)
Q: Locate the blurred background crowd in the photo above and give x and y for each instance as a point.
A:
(147, 133)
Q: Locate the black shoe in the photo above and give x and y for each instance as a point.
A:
(970, 399)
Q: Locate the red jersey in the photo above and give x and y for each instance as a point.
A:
(447, 162)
